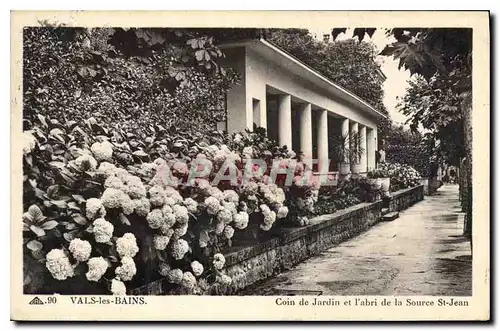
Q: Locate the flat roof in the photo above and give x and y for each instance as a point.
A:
(268, 49)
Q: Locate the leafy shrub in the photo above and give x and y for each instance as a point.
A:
(101, 215)
(89, 73)
(402, 176)
(349, 192)
(415, 156)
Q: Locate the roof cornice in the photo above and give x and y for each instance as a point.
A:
(348, 96)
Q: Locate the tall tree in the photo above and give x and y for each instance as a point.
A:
(444, 54)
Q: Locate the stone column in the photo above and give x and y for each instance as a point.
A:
(362, 136)
(322, 139)
(345, 132)
(306, 134)
(371, 141)
(285, 120)
(354, 135)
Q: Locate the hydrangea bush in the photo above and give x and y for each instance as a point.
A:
(107, 210)
(402, 175)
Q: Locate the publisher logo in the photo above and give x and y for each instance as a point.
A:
(36, 301)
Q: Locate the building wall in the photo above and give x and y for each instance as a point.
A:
(257, 74)
(260, 72)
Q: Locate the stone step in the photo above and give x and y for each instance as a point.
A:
(385, 211)
(390, 216)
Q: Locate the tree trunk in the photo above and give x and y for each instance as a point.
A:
(467, 118)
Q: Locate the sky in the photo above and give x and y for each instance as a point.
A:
(395, 85)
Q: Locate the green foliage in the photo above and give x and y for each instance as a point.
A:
(406, 147)
(402, 176)
(348, 193)
(91, 74)
(436, 107)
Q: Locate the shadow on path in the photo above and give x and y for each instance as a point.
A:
(420, 253)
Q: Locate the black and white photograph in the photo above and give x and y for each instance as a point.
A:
(317, 161)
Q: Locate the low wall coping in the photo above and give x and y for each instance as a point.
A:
(238, 254)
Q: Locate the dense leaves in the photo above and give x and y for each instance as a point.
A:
(90, 76)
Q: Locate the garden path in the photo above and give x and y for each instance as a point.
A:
(420, 253)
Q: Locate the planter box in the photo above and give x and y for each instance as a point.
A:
(253, 263)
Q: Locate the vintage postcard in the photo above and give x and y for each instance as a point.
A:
(259, 166)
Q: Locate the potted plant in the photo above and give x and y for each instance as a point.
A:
(380, 178)
(384, 173)
(341, 150)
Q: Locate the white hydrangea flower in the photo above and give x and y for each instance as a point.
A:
(251, 188)
(163, 268)
(231, 196)
(224, 280)
(231, 206)
(106, 169)
(191, 205)
(114, 182)
(270, 218)
(225, 216)
(97, 268)
(168, 221)
(161, 242)
(216, 193)
(265, 209)
(180, 231)
(282, 212)
(85, 162)
(157, 196)
(241, 220)
(171, 192)
(219, 228)
(127, 270)
(228, 232)
(175, 276)
(94, 208)
(58, 265)
(80, 249)
(213, 205)
(237, 138)
(219, 261)
(188, 280)
(248, 151)
(167, 209)
(179, 248)
(149, 168)
(266, 227)
(197, 268)
(112, 198)
(128, 205)
(121, 173)
(279, 195)
(155, 218)
(29, 142)
(103, 230)
(126, 246)
(169, 201)
(159, 162)
(134, 187)
(102, 151)
(142, 207)
(118, 287)
(181, 214)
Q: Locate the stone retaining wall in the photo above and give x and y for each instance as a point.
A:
(248, 265)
